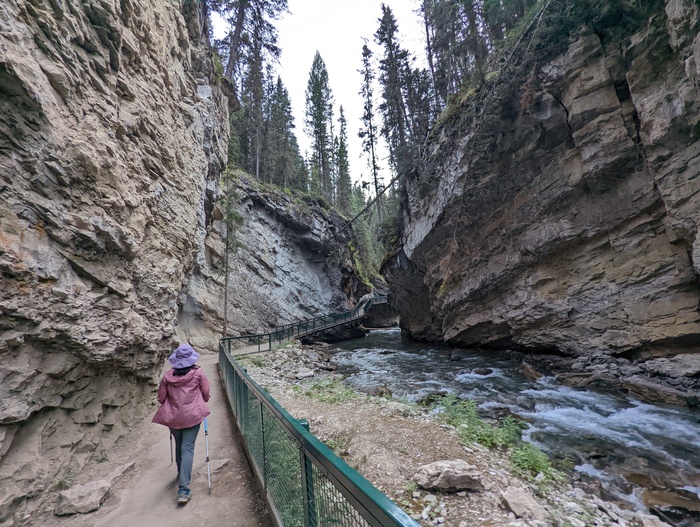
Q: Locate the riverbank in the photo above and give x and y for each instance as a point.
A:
(387, 441)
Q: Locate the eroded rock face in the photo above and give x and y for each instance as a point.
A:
(290, 264)
(569, 219)
(112, 138)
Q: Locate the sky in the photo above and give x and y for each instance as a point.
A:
(336, 29)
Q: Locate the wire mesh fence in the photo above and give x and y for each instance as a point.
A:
(304, 482)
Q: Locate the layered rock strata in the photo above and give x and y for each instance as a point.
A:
(113, 134)
(288, 262)
(566, 218)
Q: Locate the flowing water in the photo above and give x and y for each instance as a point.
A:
(627, 447)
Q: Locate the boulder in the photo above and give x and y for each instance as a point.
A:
(450, 475)
(647, 520)
(529, 372)
(81, 499)
(519, 501)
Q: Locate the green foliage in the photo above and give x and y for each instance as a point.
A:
(339, 444)
(529, 462)
(257, 361)
(471, 428)
(218, 66)
(327, 391)
(66, 481)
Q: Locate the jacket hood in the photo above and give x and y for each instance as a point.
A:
(182, 380)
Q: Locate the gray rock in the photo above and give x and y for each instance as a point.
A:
(81, 499)
(519, 501)
(449, 475)
(648, 520)
(215, 466)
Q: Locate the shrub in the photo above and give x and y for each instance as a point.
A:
(463, 415)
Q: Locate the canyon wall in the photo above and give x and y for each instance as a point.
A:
(113, 133)
(288, 262)
(558, 209)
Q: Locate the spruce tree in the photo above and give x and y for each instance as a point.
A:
(249, 25)
(344, 186)
(393, 107)
(368, 133)
(319, 117)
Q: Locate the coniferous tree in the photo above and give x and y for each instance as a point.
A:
(250, 24)
(285, 167)
(393, 107)
(368, 133)
(319, 118)
(344, 186)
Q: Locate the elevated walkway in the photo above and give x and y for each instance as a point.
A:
(245, 344)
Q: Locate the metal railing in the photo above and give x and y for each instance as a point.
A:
(303, 481)
(267, 341)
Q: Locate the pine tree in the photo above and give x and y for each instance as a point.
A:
(319, 117)
(393, 107)
(368, 132)
(344, 186)
(249, 23)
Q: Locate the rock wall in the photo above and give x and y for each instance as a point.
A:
(566, 218)
(290, 263)
(112, 137)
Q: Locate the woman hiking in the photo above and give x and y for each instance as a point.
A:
(183, 394)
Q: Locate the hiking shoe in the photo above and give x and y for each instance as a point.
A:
(183, 498)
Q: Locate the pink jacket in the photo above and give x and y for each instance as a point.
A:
(183, 399)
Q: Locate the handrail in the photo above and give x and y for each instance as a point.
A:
(373, 506)
(264, 341)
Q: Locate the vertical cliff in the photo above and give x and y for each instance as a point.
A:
(288, 262)
(113, 134)
(558, 209)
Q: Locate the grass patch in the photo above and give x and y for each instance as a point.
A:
(66, 481)
(530, 463)
(463, 415)
(257, 361)
(339, 444)
(327, 391)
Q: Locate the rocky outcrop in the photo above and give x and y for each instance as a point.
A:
(113, 133)
(566, 217)
(288, 262)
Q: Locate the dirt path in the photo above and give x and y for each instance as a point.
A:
(146, 495)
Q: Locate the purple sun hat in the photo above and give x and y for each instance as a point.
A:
(183, 357)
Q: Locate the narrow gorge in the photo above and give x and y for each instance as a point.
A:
(557, 210)
(553, 210)
(113, 138)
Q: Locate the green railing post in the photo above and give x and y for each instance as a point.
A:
(307, 483)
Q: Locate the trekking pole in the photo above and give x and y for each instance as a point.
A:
(206, 444)
(171, 446)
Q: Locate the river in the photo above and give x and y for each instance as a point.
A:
(637, 454)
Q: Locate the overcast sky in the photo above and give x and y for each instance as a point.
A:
(336, 29)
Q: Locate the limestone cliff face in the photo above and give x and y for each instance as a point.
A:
(290, 263)
(112, 138)
(567, 218)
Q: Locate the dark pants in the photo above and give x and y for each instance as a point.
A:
(184, 455)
